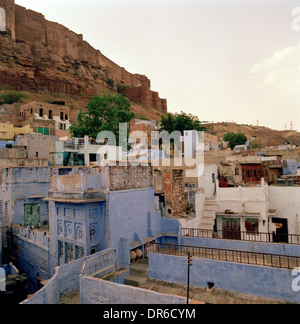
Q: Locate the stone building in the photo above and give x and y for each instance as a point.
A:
(36, 145)
(92, 209)
(47, 119)
(61, 214)
(17, 157)
(9, 132)
(21, 202)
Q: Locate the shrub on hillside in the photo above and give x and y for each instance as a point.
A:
(11, 97)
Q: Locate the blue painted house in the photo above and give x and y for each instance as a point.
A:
(92, 209)
(23, 190)
(292, 167)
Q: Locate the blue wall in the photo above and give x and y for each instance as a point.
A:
(292, 167)
(128, 213)
(129, 216)
(4, 143)
(134, 220)
(81, 225)
(18, 210)
(33, 260)
(28, 185)
(253, 280)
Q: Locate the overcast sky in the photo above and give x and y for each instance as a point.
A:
(222, 60)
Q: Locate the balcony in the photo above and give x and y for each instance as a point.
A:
(276, 164)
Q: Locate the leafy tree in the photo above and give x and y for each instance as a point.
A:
(256, 144)
(235, 139)
(104, 114)
(168, 122)
(180, 122)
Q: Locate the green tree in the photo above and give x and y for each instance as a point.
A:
(235, 139)
(180, 122)
(168, 122)
(11, 97)
(256, 144)
(105, 113)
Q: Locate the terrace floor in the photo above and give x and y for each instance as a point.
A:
(138, 278)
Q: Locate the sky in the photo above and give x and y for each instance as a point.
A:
(221, 60)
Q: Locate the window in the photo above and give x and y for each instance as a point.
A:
(61, 115)
(251, 226)
(2, 20)
(41, 112)
(79, 252)
(60, 250)
(213, 178)
(50, 114)
(6, 209)
(69, 252)
(93, 157)
(41, 130)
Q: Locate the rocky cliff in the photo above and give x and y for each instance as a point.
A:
(47, 57)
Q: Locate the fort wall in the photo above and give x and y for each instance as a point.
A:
(45, 56)
(143, 95)
(9, 16)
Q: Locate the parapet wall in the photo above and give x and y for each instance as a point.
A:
(65, 279)
(97, 291)
(253, 280)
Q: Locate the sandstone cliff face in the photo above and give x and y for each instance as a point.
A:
(47, 56)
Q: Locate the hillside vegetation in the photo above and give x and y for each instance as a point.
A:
(268, 136)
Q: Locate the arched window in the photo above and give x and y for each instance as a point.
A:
(2, 20)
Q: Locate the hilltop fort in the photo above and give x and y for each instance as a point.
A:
(38, 55)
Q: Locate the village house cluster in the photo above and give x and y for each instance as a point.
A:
(65, 215)
(83, 216)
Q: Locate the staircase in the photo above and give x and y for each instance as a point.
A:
(138, 273)
(209, 214)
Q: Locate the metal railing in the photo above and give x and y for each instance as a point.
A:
(243, 236)
(251, 258)
(101, 265)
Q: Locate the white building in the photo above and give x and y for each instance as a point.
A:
(83, 152)
(261, 209)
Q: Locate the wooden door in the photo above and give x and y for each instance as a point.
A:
(232, 228)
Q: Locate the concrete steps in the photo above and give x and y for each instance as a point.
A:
(209, 215)
(138, 273)
(135, 281)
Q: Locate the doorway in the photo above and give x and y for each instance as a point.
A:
(281, 235)
(231, 228)
(32, 215)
